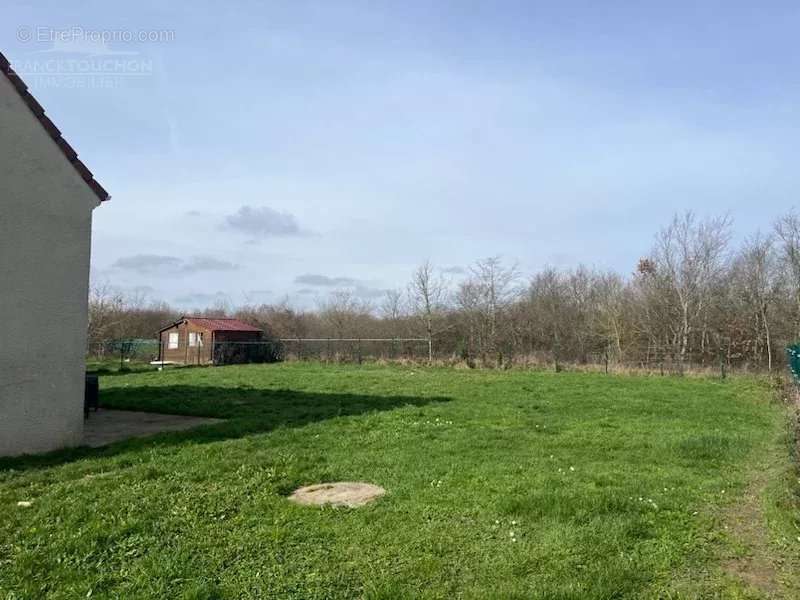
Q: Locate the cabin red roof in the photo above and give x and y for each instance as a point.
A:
(221, 324)
(51, 129)
(217, 324)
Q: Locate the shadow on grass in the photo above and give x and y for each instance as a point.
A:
(246, 411)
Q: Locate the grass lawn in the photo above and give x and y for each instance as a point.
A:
(500, 485)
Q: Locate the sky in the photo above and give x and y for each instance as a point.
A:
(257, 151)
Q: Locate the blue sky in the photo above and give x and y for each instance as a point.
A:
(291, 148)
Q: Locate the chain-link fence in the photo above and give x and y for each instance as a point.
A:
(125, 347)
(121, 354)
(134, 353)
(668, 362)
(355, 350)
(237, 353)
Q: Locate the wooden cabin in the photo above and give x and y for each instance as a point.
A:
(192, 340)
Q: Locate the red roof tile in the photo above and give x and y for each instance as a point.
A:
(52, 130)
(220, 324)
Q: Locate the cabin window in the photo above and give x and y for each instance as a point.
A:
(172, 341)
(192, 339)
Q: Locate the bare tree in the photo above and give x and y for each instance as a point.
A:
(547, 301)
(758, 281)
(495, 288)
(690, 255)
(342, 310)
(107, 313)
(392, 310)
(787, 228)
(291, 321)
(468, 299)
(582, 308)
(610, 312)
(427, 295)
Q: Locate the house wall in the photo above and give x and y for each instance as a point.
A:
(45, 238)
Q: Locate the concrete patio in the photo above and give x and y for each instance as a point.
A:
(108, 426)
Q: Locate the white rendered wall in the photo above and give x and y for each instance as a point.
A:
(45, 239)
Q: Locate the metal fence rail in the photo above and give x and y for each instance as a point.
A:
(124, 350)
(355, 349)
(416, 349)
(271, 350)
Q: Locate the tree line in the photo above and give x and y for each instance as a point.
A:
(694, 300)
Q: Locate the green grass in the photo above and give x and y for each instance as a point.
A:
(614, 487)
(113, 366)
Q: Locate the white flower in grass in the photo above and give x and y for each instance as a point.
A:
(24, 503)
(572, 468)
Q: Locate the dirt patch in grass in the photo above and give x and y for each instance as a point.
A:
(351, 494)
(761, 565)
(748, 526)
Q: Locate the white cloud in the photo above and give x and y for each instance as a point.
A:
(155, 264)
(262, 222)
(324, 281)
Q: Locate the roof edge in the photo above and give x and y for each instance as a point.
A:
(193, 317)
(51, 129)
(178, 322)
